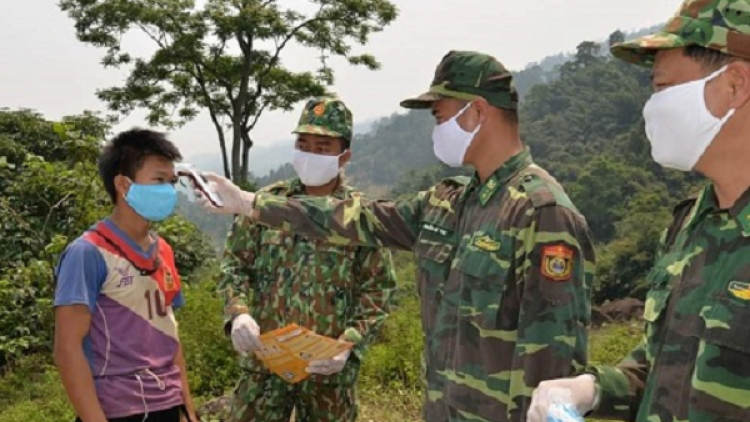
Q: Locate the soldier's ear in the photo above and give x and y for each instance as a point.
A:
(482, 108)
(739, 80)
(345, 157)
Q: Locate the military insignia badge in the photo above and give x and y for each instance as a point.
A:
(739, 289)
(319, 109)
(557, 262)
(486, 243)
(168, 280)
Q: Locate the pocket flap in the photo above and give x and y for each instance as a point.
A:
(434, 250)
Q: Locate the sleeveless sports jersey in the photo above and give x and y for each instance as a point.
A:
(132, 341)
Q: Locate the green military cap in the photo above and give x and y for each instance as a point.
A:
(326, 116)
(722, 25)
(466, 75)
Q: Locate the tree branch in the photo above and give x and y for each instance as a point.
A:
(261, 78)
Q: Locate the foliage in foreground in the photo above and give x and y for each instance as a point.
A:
(49, 194)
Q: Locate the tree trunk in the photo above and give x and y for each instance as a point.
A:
(224, 157)
(247, 143)
(236, 145)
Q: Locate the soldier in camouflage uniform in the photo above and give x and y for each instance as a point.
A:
(272, 278)
(505, 261)
(693, 363)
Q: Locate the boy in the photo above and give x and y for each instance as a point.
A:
(116, 342)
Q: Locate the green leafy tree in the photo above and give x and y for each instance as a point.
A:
(224, 57)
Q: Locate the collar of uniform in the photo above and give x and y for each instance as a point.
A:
(500, 177)
(707, 204)
(741, 212)
(297, 188)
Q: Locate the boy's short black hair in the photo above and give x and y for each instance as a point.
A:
(125, 153)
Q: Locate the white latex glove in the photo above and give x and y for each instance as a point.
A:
(329, 366)
(582, 396)
(236, 201)
(245, 334)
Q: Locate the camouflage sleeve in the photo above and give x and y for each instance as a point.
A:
(373, 298)
(621, 388)
(237, 275)
(354, 221)
(555, 287)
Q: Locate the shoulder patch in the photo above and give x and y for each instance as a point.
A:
(557, 262)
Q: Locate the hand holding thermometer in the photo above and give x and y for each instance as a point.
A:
(198, 183)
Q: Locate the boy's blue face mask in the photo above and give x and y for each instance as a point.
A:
(152, 202)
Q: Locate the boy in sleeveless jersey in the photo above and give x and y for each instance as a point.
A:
(116, 342)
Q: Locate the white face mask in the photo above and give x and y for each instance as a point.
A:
(315, 169)
(450, 142)
(679, 126)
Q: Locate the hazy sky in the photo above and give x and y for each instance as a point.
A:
(43, 66)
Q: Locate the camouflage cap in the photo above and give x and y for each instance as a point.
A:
(722, 25)
(466, 75)
(326, 116)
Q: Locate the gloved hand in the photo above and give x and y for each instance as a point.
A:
(329, 366)
(245, 334)
(582, 396)
(236, 201)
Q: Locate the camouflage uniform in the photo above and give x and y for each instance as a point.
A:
(280, 278)
(504, 267)
(693, 363)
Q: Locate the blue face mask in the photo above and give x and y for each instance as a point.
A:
(152, 202)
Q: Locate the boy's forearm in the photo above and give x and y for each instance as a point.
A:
(79, 384)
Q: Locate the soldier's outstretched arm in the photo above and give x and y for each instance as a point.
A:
(376, 284)
(357, 221)
(556, 275)
(237, 276)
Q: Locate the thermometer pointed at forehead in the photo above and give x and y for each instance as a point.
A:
(200, 184)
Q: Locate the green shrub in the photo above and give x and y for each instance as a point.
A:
(32, 391)
(192, 248)
(210, 358)
(394, 361)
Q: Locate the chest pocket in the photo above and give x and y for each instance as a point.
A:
(483, 265)
(433, 258)
(721, 380)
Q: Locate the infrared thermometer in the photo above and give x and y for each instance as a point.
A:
(194, 180)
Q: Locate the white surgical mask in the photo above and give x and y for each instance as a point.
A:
(450, 142)
(679, 125)
(315, 169)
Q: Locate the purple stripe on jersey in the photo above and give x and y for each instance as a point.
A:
(133, 342)
(121, 396)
